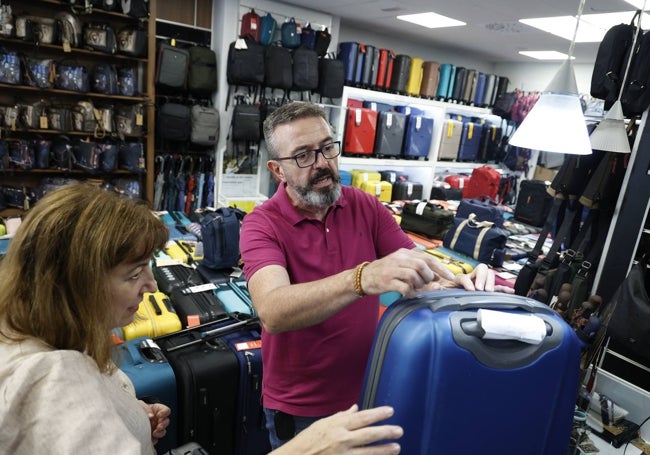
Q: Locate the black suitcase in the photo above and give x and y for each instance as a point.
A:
(406, 191)
(459, 83)
(391, 127)
(208, 377)
(170, 277)
(400, 75)
(195, 308)
(369, 63)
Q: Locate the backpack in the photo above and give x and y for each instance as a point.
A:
(269, 27)
(289, 34)
(610, 63)
(278, 68)
(220, 234)
(205, 125)
(322, 42)
(251, 26)
(172, 67)
(305, 69)
(202, 73)
(308, 37)
(636, 93)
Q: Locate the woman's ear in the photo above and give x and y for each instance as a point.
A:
(276, 170)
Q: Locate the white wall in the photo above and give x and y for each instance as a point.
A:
(414, 49)
(532, 77)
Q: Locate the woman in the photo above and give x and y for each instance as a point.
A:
(78, 267)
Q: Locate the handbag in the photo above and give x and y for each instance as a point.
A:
(426, 218)
(630, 306)
(480, 240)
(484, 211)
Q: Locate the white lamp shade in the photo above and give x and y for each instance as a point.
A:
(554, 124)
(610, 135)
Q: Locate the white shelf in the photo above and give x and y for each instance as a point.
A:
(422, 171)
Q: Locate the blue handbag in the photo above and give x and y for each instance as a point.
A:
(289, 34)
(484, 211)
(480, 240)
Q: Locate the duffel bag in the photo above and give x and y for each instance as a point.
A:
(426, 218)
(480, 240)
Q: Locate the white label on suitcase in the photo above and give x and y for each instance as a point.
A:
(199, 288)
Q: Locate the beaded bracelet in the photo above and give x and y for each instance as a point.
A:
(358, 289)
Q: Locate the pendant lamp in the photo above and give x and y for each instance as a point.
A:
(556, 122)
(611, 135)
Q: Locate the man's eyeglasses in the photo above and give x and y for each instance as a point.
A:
(309, 157)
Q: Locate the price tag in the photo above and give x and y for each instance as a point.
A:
(139, 119)
(43, 122)
(66, 46)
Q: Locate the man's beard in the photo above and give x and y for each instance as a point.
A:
(324, 197)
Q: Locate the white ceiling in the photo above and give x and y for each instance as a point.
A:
(492, 29)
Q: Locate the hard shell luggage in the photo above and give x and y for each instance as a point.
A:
(368, 67)
(480, 89)
(502, 87)
(393, 176)
(381, 189)
(360, 131)
(450, 141)
(400, 74)
(415, 77)
(235, 298)
(346, 177)
(460, 78)
(155, 316)
(153, 378)
(418, 137)
(391, 127)
(470, 86)
(196, 306)
(384, 69)
(208, 383)
(434, 360)
(406, 191)
(362, 175)
(348, 51)
(469, 141)
(446, 83)
(379, 107)
(490, 87)
(430, 79)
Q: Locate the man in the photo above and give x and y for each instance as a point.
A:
(317, 255)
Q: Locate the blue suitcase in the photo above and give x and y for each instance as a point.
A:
(346, 177)
(348, 55)
(391, 127)
(470, 141)
(144, 363)
(481, 80)
(445, 80)
(456, 392)
(379, 107)
(251, 435)
(419, 133)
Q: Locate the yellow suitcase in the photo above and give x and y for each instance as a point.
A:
(415, 77)
(363, 175)
(454, 265)
(382, 189)
(187, 251)
(155, 317)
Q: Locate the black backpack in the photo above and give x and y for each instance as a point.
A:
(305, 69)
(278, 70)
(611, 61)
(202, 78)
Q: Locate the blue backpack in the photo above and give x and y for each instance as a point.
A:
(269, 27)
(289, 34)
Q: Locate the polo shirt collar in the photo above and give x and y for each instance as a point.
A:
(290, 213)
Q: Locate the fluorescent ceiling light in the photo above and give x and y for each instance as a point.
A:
(545, 55)
(431, 20)
(592, 27)
(637, 4)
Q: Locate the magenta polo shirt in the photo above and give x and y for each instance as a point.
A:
(319, 370)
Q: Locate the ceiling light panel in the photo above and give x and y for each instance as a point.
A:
(545, 55)
(592, 26)
(431, 20)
